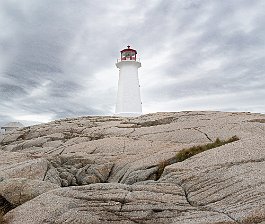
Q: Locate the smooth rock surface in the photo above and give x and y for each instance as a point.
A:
(20, 190)
(106, 170)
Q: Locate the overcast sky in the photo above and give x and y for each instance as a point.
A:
(57, 57)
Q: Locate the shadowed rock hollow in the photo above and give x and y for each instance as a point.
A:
(124, 170)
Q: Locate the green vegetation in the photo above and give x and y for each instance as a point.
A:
(189, 152)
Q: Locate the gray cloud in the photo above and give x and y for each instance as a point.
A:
(57, 57)
(219, 34)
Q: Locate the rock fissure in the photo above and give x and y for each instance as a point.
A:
(123, 201)
(124, 217)
(48, 168)
(110, 173)
(237, 163)
(62, 148)
(5, 206)
(204, 134)
(205, 208)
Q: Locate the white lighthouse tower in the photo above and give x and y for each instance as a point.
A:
(128, 99)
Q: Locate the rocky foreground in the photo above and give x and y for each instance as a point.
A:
(124, 170)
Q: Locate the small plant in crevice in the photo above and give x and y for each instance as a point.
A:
(258, 120)
(96, 136)
(189, 152)
(162, 121)
(161, 167)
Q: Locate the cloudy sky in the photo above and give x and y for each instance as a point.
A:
(57, 57)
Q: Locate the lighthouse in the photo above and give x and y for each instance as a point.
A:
(128, 98)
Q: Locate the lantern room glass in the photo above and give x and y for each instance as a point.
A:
(128, 55)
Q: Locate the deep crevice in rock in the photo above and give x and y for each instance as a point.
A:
(5, 206)
(76, 171)
(206, 135)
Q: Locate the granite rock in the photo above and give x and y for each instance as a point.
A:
(108, 170)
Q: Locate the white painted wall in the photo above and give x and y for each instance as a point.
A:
(128, 98)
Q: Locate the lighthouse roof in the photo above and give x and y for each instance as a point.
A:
(128, 49)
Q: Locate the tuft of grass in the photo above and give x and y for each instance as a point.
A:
(189, 152)
(96, 136)
(161, 167)
(258, 120)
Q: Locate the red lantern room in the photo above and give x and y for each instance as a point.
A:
(128, 54)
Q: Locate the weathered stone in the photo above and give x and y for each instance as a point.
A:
(115, 203)
(54, 144)
(52, 176)
(10, 137)
(32, 169)
(35, 142)
(130, 173)
(140, 175)
(19, 190)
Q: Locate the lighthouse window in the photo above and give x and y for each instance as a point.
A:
(128, 54)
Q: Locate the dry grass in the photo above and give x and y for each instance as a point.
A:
(258, 120)
(161, 167)
(189, 152)
(162, 121)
